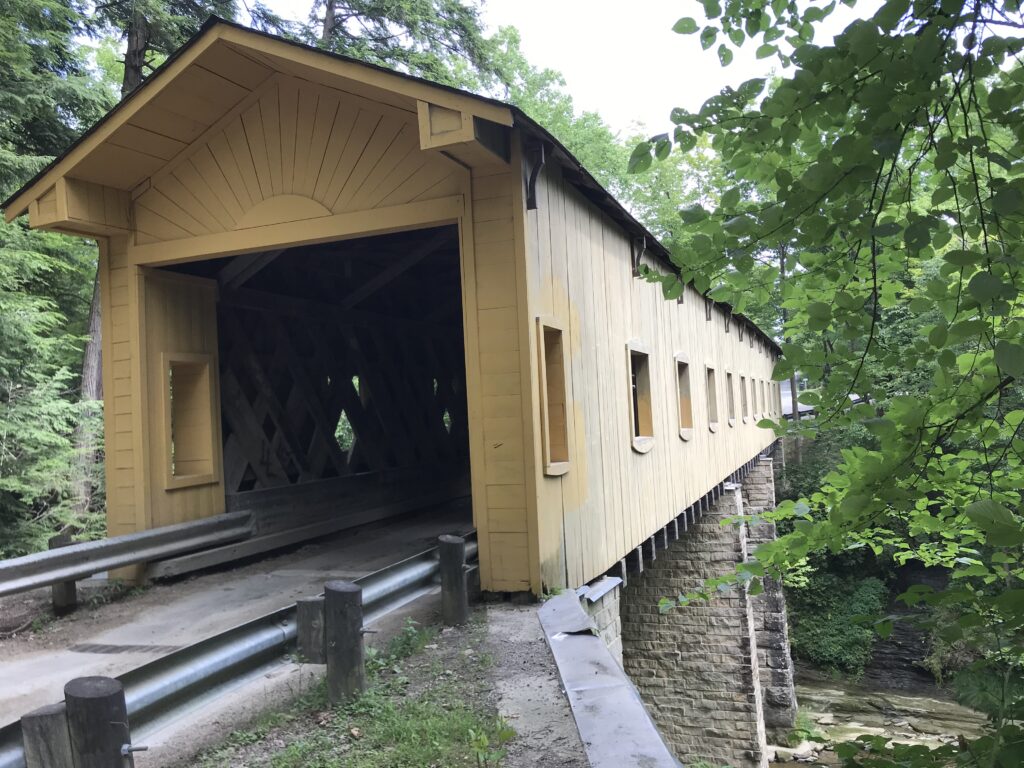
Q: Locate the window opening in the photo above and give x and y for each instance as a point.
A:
(712, 386)
(553, 406)
(730, 399)
(685, 397)
(189, 419)
(641, 414)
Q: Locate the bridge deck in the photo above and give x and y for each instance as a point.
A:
(34, 669)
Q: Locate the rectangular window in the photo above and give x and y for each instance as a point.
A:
(730, 399)
(640, 412)
(685, 398)
(743, 397)
(756, 406)
(712, 385)
(188, 421)
(764, 397)
(554, 422)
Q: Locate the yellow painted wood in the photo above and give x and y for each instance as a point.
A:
(181, 331)
(614, 498)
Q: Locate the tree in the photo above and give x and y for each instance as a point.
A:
(48, 96)
(888, 164)
(442, 40)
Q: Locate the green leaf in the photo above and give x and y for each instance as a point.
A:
(685, 26)
(1010, 358)
(707, 37)
(640, 159)
(937, 336)
(764, 51)
(1002, 529)
(691, 214)
(724, 55)
(712, 8)
(1007, 201)
(984, 286)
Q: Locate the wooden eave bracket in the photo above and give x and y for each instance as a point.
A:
(81, 208)
(470, 139)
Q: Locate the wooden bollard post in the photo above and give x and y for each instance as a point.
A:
(45, 737)
(454, 590)
(97, 722)
(343, 641)
(309, 619)
(65, 593)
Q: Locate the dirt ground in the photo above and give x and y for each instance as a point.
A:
(495, 673)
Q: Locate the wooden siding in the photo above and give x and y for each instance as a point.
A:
(292, 151)
(497, 366)
(180, 322)
(121, 414)
(614, 497)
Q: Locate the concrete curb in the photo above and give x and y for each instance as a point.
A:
(613, 723)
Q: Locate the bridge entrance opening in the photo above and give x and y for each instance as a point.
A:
(340, 379)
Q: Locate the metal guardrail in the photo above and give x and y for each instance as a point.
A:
(172, 682)
(80, 561)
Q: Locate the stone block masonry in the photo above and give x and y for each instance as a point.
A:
(769, 607)
(605, 612)
(696, 667)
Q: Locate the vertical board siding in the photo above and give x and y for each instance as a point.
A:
(180, 317)
(613, 498)
(292, 141)
(119, 377)
(493, 298)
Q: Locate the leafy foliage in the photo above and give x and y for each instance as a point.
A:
(887, 169)
(823, 620)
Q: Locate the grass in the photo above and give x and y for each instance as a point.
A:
(412, 715)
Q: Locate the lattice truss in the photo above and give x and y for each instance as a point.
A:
(341, 358)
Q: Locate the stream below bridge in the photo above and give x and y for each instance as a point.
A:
(842, 710)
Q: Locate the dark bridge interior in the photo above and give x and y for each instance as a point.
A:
(342, 360)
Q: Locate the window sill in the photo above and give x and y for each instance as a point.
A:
(732, 422)
(173, 482)
(685, 433)
(713, 426)
(643, 444)
(745, 419)
(556, 468)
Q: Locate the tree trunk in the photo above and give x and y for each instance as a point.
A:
(329, 23)
(792, 379)
(85, 437)
(91, 394)
(135, 53)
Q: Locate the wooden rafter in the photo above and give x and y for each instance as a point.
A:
(393, 271)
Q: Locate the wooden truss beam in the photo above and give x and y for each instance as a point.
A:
(393, 271)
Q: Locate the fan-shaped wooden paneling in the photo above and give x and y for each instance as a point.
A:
(294, 146)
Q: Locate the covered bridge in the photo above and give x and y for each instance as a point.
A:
(317, 271)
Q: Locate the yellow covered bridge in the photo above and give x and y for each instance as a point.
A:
(317, 271)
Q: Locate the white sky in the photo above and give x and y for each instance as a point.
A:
(621, 59)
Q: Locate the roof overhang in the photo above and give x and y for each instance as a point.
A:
(222, 65)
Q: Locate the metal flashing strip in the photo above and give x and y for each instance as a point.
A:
(598, 589)
(614, 726)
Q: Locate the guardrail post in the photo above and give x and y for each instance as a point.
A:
(309, 618)
(65, 593)
(97, 722)
(343, 641)
(454, 590)
(45, 737)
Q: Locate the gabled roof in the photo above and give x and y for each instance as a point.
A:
(103, 154)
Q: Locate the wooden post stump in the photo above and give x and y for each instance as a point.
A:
(45, 737)
(97, 722)
(343, 641)
(309, 619)
(64, 594)
(454, 590)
